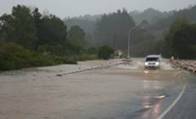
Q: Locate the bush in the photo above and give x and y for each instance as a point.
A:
(84, 57)
(13, 56)
(70, 60)
(105, 52)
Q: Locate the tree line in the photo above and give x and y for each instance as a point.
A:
(180, 41)
(29, 38)
(155, 38)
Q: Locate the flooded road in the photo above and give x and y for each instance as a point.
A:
(124, 91)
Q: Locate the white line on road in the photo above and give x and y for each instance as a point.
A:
(174, 103)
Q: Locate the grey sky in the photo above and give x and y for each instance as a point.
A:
(64, 8)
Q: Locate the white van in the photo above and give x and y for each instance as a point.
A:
(152, 61)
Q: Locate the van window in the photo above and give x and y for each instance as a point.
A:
(152, 59)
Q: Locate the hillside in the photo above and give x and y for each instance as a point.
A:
(151, 15)
(158, 25)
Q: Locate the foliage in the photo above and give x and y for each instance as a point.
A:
(92, 50)
(150, 15)
(52, 31)
(107, 31)
(84, 57)
(34, 31)
(76, 38)
(14, 56)
(32, 39)
(181, 39)
(105, 52)
(142, 43)
(19, 27)
(113, 29)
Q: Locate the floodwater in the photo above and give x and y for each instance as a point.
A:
(120, 92)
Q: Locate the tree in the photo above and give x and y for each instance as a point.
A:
(19, 27)
(181, 39)
(33, 31)
(113, 29)
(52, 35)
(28, 38)
(37, 19)
(24, 28)
(53, 31)
(105, 52)
(76, 37)
(6, 27)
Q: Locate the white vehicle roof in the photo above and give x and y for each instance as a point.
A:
(149, 56)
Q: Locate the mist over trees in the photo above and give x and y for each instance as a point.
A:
(165, 23)
(113, 29)
(29, 38)
(150, 15)
(181, 40)
(110, 29)
(76, 38)
(87, 23)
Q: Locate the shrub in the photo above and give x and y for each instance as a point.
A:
(105, 52)
(13, 56)
(84, 57)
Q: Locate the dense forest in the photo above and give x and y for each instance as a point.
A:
(28, 38)
(113, 29)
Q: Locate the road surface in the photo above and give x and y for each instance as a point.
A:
(124, 91)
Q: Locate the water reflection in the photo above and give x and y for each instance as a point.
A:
(153, 105)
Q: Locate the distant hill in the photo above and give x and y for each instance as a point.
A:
(87, 22)
(188, 13)
(151, 15)
(158, 25)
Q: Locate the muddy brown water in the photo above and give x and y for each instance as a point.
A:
(111, 93)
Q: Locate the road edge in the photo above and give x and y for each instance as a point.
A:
(173, 103)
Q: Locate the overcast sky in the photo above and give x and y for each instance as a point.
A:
(64, 8)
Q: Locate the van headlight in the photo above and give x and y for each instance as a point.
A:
(146, 63)
(157, 63)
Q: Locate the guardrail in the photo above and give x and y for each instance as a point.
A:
(189, 65)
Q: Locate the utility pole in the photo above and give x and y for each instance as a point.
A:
(128, 52)
(129, 37)
(130, 32)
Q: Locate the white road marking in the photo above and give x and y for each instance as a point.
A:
(160, 97)
(173, 104)
(148, 106)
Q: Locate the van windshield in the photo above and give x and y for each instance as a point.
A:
(152, 59)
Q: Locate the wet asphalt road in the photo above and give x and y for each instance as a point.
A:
(186, 106)
(124, 91)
